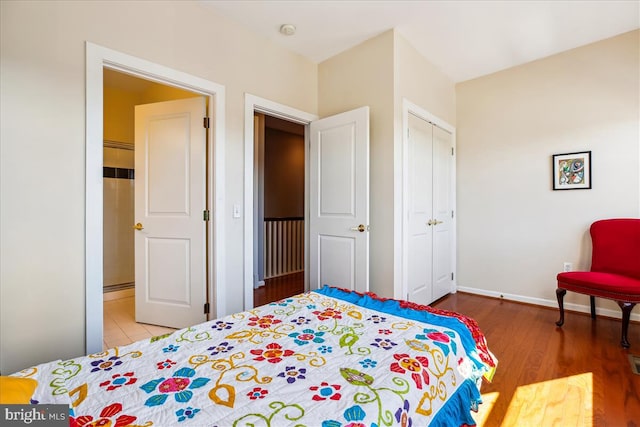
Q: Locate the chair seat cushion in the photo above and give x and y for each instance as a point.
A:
(604, 285)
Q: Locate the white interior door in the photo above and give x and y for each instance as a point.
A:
(429, 223)
(170, 199)
(339, 201)
(419, 205)
(442, 229)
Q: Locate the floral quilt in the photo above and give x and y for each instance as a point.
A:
(327, 358)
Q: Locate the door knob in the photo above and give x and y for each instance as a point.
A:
(433, 222)
(361, 228)
(138, 226)
(436, 222)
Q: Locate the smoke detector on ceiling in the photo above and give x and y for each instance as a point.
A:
(287, 29)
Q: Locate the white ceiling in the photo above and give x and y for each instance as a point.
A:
(464, 39)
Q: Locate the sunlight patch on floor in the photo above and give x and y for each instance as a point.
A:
(561, 402)
(488, 400)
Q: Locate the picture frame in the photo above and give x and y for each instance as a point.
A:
(572, 171)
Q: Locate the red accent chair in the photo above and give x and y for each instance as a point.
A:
(615, 269)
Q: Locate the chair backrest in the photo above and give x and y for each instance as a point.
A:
(616, 246)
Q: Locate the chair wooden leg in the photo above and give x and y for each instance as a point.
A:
(593, 306)
(560, 295)
(626, 314)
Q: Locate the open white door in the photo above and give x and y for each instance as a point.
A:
(339, 201)
(170, 169)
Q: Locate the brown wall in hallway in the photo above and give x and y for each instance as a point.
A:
(283, 174)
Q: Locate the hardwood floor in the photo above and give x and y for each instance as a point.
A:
(577, 375)
(278, 288)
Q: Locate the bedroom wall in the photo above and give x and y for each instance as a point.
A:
(363, 75)
(514, 231)
(42, 110)
(422, 83)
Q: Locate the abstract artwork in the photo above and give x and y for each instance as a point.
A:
(572, 171)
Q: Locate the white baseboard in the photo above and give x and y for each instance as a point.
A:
(124, 293)
(617, 314)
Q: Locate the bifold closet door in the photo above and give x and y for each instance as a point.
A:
(429, 159)
(419, 196)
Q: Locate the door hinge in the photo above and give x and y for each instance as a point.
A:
(205, 215)
(206, 308)
(452, 151)
(451, 276)
(206, 123)
(451, 214)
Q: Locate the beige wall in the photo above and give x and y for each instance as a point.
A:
(422, 83)
(514, 231)
(42, 109)
(358, 77)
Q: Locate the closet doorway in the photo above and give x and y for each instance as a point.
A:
(428, 206)
(279, 211)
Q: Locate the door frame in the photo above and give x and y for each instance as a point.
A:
(410, 108)
(254, 104)
(97, 58)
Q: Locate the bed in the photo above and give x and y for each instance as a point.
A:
(328, 358)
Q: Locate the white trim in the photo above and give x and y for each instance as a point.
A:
(98, 57)
(401, 287)
(252, 104)
(580, 308)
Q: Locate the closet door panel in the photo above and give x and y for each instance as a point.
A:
(428, 255)
(419, 193)
(442, 233)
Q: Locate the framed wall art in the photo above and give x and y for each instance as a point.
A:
(572, 171)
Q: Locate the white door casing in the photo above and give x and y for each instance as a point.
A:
(170, 165)
(99, 57)
(339, 201)
(254, 104)
(429, 231)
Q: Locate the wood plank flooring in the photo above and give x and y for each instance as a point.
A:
(279, 288)
(577, 375)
